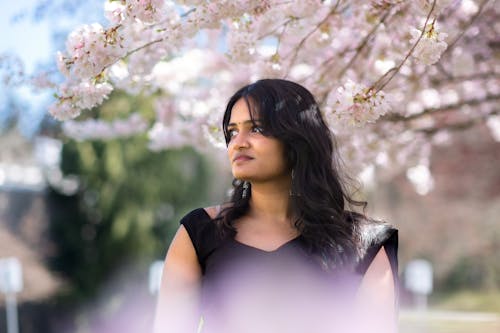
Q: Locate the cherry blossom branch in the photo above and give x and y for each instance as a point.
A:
(396, 69)
(130, 53)
(358, 50)
(303, 40)
(462, 32)
(395, 117)
(285, 25)
(458, 126)
(363, 43)
(459, 78)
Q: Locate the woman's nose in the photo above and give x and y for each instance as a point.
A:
(241, 140)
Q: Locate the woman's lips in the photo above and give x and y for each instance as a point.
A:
(242, 158)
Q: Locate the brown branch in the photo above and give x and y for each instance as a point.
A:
(471, 21)
(363, 43)
(475, 76)
(272, 32)
(396, 69)
(394, 117)
(458, 126)
(358, 49)
(455, 40)
(303, 40)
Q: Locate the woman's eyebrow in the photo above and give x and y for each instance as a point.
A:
(250, 121)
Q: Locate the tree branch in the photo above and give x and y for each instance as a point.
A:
(394, 117)
(396, 69)
(458, 126)
(462, 32)
(303, 40)
(358, 49)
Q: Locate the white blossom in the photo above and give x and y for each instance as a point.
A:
(148, 11)
(430, 47)
(115, 11)
(425, 5)
(90, 49)
(302, 8)
(176, 135)
(64, 110)
(356, 105)
(88, 94)
(75, 97)
(242, 46)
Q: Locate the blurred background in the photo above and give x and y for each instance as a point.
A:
(83, 222)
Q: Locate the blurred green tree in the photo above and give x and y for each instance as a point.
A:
(127, 207)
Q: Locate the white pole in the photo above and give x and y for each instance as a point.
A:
(11, 308)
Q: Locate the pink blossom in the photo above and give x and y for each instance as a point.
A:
(148, 11)
(425, 5)
(72, 98)
(115, 11)
(94, 129)
(241, 45)
(64, 110)
(430, 47)
(356, 105)
(90, 49)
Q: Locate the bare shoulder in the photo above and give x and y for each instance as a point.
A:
(380, 264)
(181, 260)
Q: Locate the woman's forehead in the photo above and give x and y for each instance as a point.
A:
(241, 113)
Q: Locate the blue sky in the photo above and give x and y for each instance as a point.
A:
(30, 40)
(33, 41)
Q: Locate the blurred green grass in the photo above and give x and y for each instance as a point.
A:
(467, 300)
(460, 312)
(414, 325)
(438, 322)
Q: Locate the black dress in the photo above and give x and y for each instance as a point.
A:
(246, 289)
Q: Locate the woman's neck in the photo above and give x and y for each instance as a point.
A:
(270, 201)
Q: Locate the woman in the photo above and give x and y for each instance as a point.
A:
(284, 255)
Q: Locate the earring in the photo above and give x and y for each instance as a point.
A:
(244, 194)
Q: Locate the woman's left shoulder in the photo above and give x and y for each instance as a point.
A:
(371, 235)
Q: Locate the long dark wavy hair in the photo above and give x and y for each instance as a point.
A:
(320, 188)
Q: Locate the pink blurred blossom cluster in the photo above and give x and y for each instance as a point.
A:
(92, 129)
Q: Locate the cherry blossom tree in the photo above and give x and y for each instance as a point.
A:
(391, 77)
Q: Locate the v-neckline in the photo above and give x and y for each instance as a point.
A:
(285, 244)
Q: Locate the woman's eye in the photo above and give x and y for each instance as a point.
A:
(257, 129)
(232, 133)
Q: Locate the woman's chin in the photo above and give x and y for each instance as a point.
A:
(242, 173)
(242, 176)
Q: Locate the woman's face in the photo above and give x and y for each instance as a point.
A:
(253, 156)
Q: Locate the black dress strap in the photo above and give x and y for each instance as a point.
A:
(203, 233)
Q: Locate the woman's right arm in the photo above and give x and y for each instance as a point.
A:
(178, 301)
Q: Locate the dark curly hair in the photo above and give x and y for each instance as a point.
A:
(320, 189)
